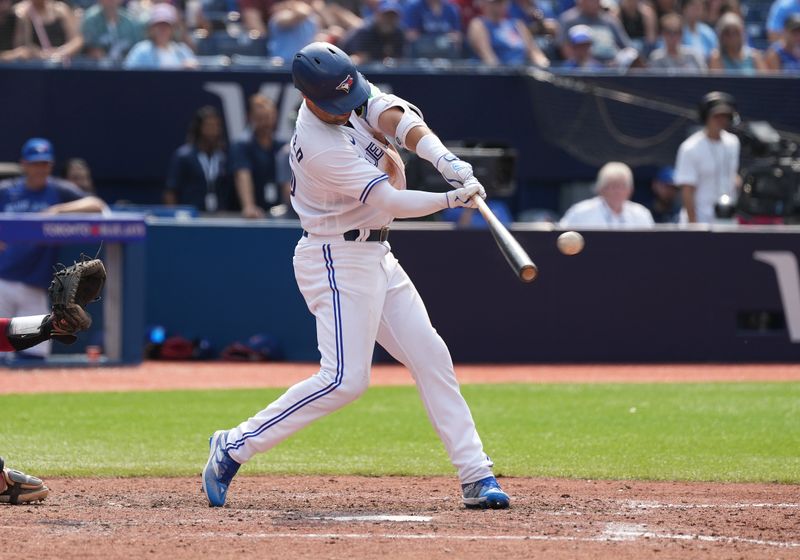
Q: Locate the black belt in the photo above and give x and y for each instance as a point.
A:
(374, 234)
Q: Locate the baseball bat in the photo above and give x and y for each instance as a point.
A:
(516, 256)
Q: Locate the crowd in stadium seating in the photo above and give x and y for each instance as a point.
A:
(668, 35)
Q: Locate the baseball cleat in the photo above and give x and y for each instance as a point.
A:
(219, 470)
(20, 488)
(485, 493)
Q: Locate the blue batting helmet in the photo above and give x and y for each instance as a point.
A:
(326, 75)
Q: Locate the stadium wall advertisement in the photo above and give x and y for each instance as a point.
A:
(650, 296)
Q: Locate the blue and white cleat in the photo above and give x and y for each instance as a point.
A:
(485, 493)
(219, 470)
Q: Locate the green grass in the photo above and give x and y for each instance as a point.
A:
(721, 432)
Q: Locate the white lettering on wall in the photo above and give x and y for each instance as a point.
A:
(785, 265)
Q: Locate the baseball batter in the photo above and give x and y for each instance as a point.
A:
(348, 185)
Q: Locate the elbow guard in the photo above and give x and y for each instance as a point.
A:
(409, 121)
(412, 116)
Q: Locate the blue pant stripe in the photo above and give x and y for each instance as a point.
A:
(337, 325)
(337, 316)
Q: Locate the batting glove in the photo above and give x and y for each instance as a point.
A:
(463, 197)
(455, 171)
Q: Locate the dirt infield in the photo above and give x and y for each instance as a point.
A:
(361, 518)
(395, 517)
(153, 376)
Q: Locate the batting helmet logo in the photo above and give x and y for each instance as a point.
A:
(346, 84)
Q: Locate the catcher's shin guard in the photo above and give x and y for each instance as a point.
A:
(19, 488)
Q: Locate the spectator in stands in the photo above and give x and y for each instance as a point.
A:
(784, 55)
(292, 26)
(141, 10)
(499, 40)
(734, 54)
(48, 30)
(379, 38)
(664, 7)
(715, 9)
(254, 162)
(160, 51)
(336, 20)
(610, 41)
(108, 31)
(77, 172)
(198, 173)
(580, 51)
(612, 207)
(540, 19)
(674, 55)
(255, 16)
(26, 269)
(666, 206)
(433, 27)
(708, 161)
(469, 9)
(9, 22)
(778, 13)
(696, 34)
(639, 21)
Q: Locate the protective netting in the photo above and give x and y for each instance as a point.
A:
(597, 124)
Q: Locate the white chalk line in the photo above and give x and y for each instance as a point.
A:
(374, 518)
(632, 532)
(743, 505)
(613, 533)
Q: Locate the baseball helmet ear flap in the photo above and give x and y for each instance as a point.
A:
(718, 100)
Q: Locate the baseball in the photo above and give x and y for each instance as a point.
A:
(570, 243)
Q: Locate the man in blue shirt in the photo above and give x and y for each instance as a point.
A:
(26, 269)
(253, 161)
(433, 27)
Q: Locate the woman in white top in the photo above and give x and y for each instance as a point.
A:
(160, 51)
(612, 207)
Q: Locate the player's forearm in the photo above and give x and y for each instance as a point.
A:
(405, 204)
(21, 333)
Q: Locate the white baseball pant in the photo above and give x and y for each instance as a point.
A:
(359, 293)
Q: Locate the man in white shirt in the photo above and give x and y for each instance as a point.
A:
(612, 207)
(708, 161)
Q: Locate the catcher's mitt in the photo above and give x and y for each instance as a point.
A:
(71, 289)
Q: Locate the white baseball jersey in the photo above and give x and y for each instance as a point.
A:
(710, 167)
(358, 293)
(595, 212)
(330, 188)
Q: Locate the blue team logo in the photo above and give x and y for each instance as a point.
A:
(346, 84)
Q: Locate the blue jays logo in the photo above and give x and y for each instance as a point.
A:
(346, 84)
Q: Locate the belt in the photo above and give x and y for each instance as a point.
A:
(353, 235)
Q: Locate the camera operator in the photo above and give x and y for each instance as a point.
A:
(708, 161)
